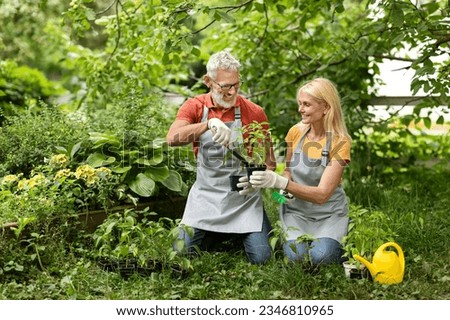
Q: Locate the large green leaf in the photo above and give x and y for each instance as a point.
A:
(99, 139)
(98, 159)
(157, 173)
(174, 182)
(151, 157)
(143, 185)
(121, 169)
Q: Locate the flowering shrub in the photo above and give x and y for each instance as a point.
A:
(55, 187)
(59, 161)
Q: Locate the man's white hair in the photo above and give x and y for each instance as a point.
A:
(222, 60)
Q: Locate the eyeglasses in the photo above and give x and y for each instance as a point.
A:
(226, 87)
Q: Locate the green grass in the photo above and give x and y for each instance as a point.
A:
(417, 203)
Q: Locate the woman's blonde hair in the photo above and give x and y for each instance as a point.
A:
(324, 90)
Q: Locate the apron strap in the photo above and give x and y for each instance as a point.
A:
(300, 143)
(205, 114)
(237, 113)
(236, 136)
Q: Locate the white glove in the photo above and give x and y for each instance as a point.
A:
(222, 133)
(268, 179)
(243, 183)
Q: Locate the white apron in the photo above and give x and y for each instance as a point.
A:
(302, 217)
(211, 205)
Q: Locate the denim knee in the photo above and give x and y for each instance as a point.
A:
(258, 254)
(295, 251)
(320, 251)
(189, 243)
(256, 244)
(325, 251)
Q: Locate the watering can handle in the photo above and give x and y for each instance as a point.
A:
(399, 252)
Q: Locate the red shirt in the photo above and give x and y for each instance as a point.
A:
(192, 111)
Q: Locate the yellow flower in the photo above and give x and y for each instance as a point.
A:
(9, 179)
(86, 173)
(36, 180)
(59, 161)
(62, 173)
(23, 184)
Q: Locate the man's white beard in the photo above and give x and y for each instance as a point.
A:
(219, 100)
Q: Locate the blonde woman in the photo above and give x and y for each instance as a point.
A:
(318, 151)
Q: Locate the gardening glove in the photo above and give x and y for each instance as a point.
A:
(243, 183)
(268, 179)
(221, 133)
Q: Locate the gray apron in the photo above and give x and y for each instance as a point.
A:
(211, 205)
(301, 217)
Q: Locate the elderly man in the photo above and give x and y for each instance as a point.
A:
(209, 121)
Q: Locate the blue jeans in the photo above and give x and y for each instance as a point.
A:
(256, 244)
(321, 251)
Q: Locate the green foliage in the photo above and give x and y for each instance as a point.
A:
(415, 202)
(255, 142)
(38, 243)
(22, 87)
(30, 138)
(53, 188)
(165, 45)
(21, 34)
(367, 230)
(128, 137)
(398, 150)
(136, 236)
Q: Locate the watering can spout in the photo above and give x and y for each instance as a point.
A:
(368, 265)
(387, 266)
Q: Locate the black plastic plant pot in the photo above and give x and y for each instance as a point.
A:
(251, 169)
(234, 180)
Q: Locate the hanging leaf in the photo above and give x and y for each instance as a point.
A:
(142, 185)
(157, 173)
(99, 139)
(97, 159)
(151, 157)
(75, 149)
(397, 16)
(121, 169)
(174, 182)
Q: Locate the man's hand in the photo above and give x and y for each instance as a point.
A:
(268, 179)
(243, 183)
(221, 133)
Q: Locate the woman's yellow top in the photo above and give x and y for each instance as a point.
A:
(339, 150)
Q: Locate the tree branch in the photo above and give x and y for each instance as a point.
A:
(118, 32)
(107, 8)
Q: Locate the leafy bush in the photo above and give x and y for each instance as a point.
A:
(27, 139)
(54, 188)
(136, 238)
(21, 86)
(381, 152)
(129, 138)
(367, 230)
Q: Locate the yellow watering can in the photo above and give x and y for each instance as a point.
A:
(387, 267)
